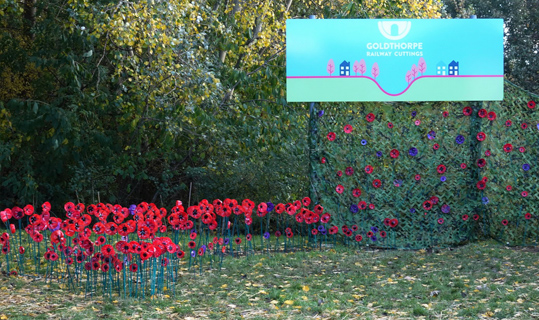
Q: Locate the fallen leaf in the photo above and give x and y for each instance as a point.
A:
(289, 302)
(306, 288)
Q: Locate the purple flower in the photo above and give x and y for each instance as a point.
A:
(459, 139)
(378, 154)
(373, 238)
(270, 206)
(363, 142)
(414, 113)
(266, 235)
(320, 113)
(525, 167)
(323, 232)
(354, 208)
(203, 248)
(446, 208)
(226, 241)
(485, 200)
(443, 178)
(431, 135)
(412, 210)
(321, 228)
(374, 229)
(132, 209)
(412, 152)
(125, 238)
(193, 253)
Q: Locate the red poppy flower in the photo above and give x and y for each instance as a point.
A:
(325, 218)
(436, 146)
(481, 136)
(370, 117)
(463, 165)
(180, 254)
(377, 183)
(464, 217)
(481, 185)
(318, 209)
(323, 160)
(200, 251)
(371, 206)
(475, 217)
(481, 163)
(485, 179)
(427, 205)
(531, 104)
(191, 244)
(445, 114)
(394, 153)
(305, 201)
(505, 222)
(441, 169)
(390, 125)
(248, 237)
(417, 177)
(314, 232)
(356, 192)
(21, 250)
(524, 193)
(368, 169)
(487, 153)
(491, 116)
(508, 123)
(289, 234)
(522, 149)
(386, 222)
(108, 250)
(105, 267)
(482, 113)
(339, 173)
(358, 238)
(383, 234)
(508, 147)
(524, 125)
(527, 216)
(362, 205)
(237, 241)
(331, 136)
(509, 188)
(441, 220)
(467, 111)
(348, 128)
(278, 233)
(349, 171)
(339, 189)
(370, 234)
(133, 267)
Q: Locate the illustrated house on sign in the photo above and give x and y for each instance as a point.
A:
(345, 69)
(453, 68)
(441, 69)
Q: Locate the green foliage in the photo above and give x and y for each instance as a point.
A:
(521, 38)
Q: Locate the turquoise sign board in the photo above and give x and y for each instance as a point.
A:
(394, 60)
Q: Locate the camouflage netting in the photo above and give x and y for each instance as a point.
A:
(418, 175)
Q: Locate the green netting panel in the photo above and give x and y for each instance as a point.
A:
(510, 199)
(431, 186)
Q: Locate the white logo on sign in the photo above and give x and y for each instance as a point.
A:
(394, 30)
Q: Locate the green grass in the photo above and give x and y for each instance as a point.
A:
(476, 281)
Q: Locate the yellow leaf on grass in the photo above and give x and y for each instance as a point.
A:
(224, 286)
(306, 288)
(3, 317)
(289, 302)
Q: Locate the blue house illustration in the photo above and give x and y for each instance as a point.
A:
(441, 69)
(345, 69)
(453, 68)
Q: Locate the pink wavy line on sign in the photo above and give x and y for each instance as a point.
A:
(393, 94)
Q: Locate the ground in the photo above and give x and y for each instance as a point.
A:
(475, 281)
